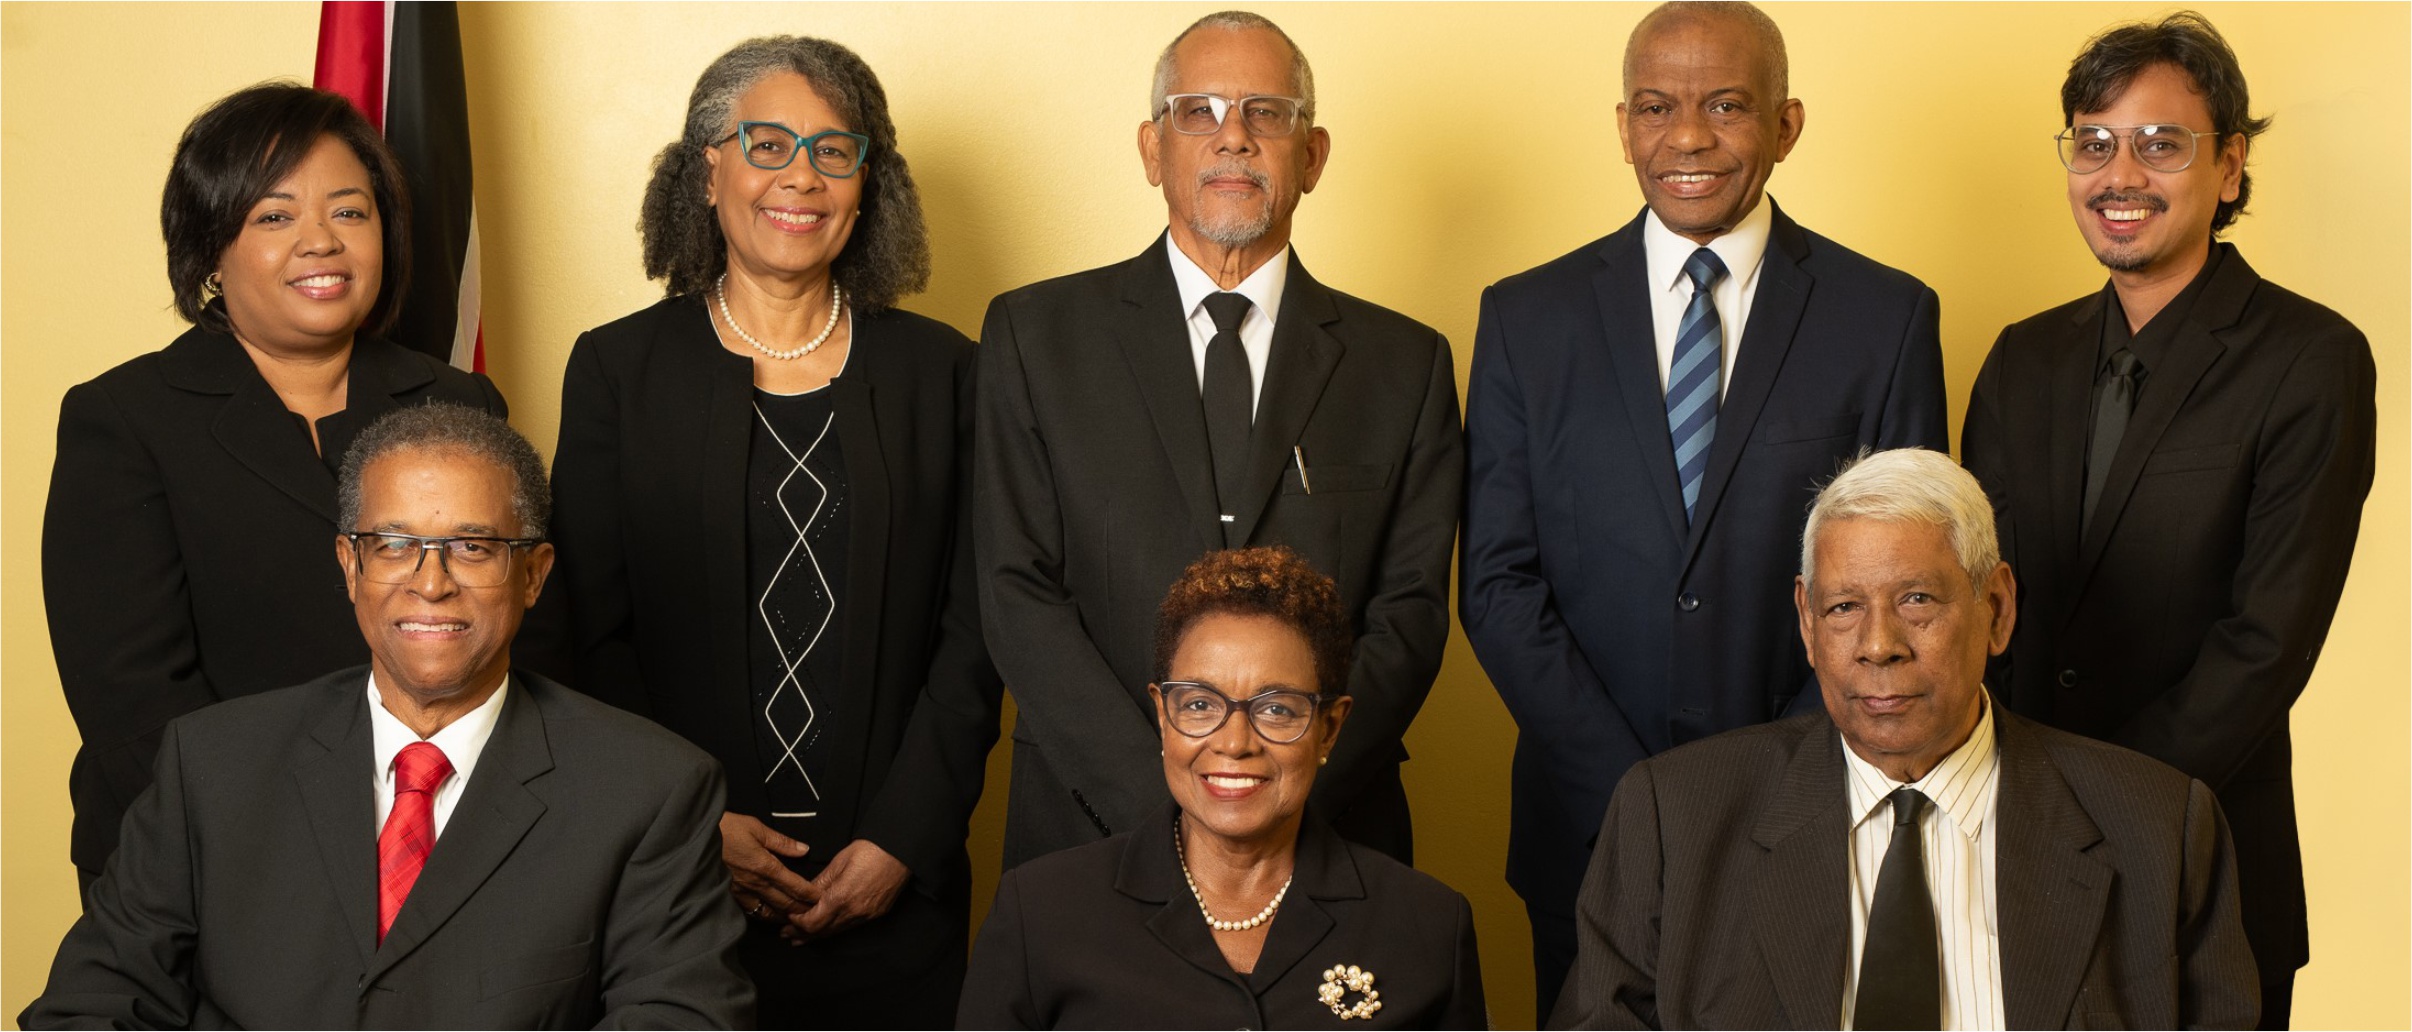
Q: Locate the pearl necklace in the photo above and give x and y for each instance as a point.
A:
(1212, 921)
(720, 291)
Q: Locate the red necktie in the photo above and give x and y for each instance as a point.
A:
(410, 830)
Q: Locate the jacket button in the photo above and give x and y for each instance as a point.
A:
(1687, 602)
(2068, 679)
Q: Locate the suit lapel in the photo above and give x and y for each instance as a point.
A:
(2051, 895)
(1155, 343)
(494, 813)
(2193, 349)
(335, 786)
(258, 430)
(1304, 353)
(1775, 313)
(867, 490)
(1804, 926)
(726, 445)
(1324, 871)
(1150, 873)
(2071, 370)
(1622, 288)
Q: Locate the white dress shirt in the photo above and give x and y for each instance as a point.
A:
(1957, 835)
(462, 741)
(1743, 250)
(1262, 287)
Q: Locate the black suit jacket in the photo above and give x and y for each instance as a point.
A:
(2185, 620)
(1612, 629)
(578, 882)
(1718, 896)
(1095, 488)
(649, 483)
(1108, 936)
(188, 547)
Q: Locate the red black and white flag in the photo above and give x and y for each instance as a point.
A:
(401, 64)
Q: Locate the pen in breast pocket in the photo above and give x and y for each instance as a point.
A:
(1299, 453)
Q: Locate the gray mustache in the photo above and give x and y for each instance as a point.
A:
(1231, 169)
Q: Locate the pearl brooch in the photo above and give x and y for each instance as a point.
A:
(1340, 981)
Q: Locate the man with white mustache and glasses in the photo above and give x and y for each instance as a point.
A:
(1207, 394)
(2178, 462)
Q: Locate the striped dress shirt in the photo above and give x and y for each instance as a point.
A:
(1957, 835)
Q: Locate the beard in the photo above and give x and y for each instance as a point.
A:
(1235, 229)
(2125, 257)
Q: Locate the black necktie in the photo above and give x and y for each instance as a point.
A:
(2114, 401)
(1900, 967)
(1230, 407)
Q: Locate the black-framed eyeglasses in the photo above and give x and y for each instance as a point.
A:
(1280, 716)
(471, 561)
(1198, 114)
(836, 153)
(2163, 148)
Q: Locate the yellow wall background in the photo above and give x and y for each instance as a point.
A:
(1470, 141)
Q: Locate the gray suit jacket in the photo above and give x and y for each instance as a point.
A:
(578, 881)
(1716, 897)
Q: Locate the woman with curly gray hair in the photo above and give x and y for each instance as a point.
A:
(761, 500)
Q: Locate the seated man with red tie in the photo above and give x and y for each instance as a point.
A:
(431, 841)
(1913, 856)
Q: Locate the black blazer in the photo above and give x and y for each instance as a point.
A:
(1108, 936)
(577, 884)
(1612, 629)
(2185, 621)
(188, 547)
(1718, 897)
(1095, 488)
(649, 487)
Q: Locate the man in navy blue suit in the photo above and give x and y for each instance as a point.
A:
(1647, 421)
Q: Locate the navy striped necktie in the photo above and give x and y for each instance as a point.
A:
(1693, 377)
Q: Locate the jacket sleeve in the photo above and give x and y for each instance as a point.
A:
(2311, 474)
(128, 962)
(1614, 983)
(996, 988)
(113, 582)
(1066, 695)
(591, 576)
(1564, 714)
(670, 937)
(2218, 985)
(1982, 452)
(922, 814)
(1406, 622)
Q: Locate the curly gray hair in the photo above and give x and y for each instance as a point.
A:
(888, 256)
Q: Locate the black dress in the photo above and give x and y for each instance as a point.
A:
(187, 547)
(762, 573)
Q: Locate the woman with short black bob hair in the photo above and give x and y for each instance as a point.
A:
(185, 546)
(761, 496)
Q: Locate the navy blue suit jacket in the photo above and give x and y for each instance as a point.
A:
(1614, 630)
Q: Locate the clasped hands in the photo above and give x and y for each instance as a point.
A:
(860, 883)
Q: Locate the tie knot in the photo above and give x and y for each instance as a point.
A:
(420, 767)
(2125, 363)
(1227, 309)
(1704, 268)
(1908, 805)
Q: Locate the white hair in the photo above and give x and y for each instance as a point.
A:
(1909, 485)
(1302, 78)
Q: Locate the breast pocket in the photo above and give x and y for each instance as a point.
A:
(526, 970)
(1334, 479)
(2190, 460)
(1818, 428)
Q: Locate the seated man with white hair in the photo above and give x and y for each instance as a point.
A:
(1915, 856)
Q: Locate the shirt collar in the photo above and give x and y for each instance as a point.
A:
(1740, 250)
(462, 741)
(1262, 288)
(1959, 786)
(2151, 345)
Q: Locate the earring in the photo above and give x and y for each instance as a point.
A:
(211, 286)
(1324, 760)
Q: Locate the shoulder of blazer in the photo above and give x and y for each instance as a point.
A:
(1737, 761)
(1831, 262)
(2094, 769)
(598, 736)
(402, 372)
(678, 321)
(897, 336)
(1359, 318)
(261, 722)
(1101, 285)
(1573, 270)
(2071, 320)
(199, 360)
(2238, 298)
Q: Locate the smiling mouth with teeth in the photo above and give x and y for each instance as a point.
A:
(1688, 177)
(413, 625)
(1229, 781)
(2126, 214)
(794, 220)
(327, 280)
